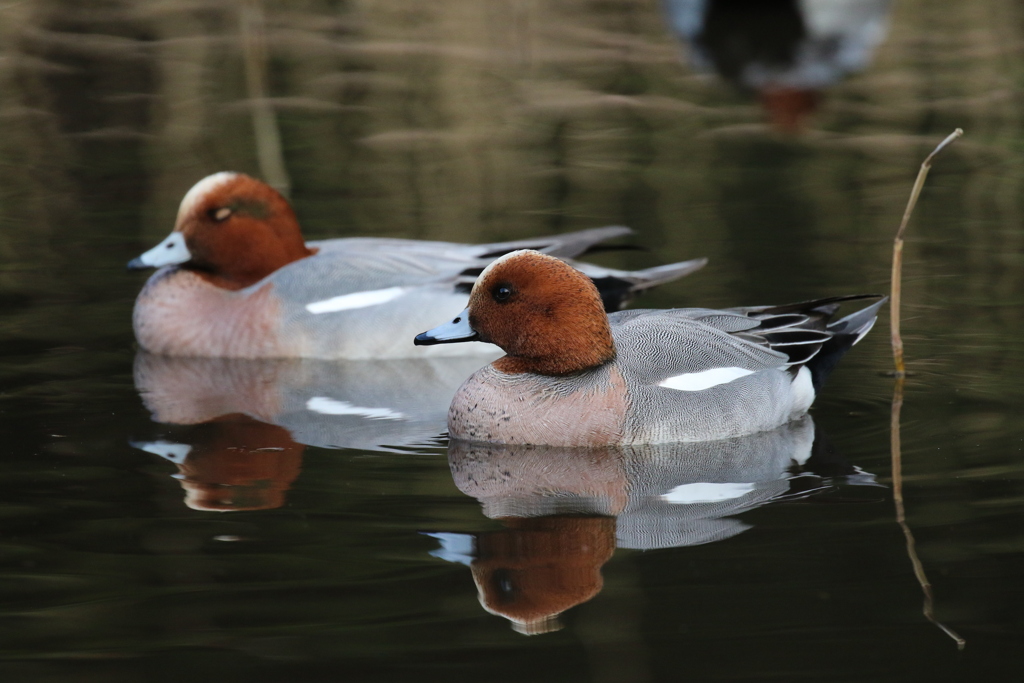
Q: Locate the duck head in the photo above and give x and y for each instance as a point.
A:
(233, 230)
(546, 315)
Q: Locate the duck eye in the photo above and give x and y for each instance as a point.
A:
(220, 214)
(502, 293)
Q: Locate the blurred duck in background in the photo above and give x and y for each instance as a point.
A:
(565, 510)
(784, 51)
(236, 279)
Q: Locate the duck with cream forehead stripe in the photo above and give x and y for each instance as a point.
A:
(575, 376)
(237, 279)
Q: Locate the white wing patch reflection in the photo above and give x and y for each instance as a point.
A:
(704, 492)
(331, 406)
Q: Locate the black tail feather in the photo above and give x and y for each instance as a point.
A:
(845, 333)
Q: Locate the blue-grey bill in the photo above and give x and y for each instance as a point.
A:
(457, 330)
(169, 252)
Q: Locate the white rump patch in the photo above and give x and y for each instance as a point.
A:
(699, 381)
(703, 492)
(458, 548)
(802, 390)
(201, 189)
(347, 302)
(330, 406)
(175, 452)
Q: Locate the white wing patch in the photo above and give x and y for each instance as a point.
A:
(330, 406)
(699, 381)
(347, 302)
(201, 190)
(703, 492)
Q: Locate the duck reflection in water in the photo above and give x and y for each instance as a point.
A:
(785, 51)
(565, 510)
(234, 463)
(251, 419)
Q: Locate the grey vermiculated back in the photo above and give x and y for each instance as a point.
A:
(750, 404)
(437, 276)
(356, 264)
(663, 343)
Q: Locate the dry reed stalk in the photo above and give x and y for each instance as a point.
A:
(897, 398)
(897, 255)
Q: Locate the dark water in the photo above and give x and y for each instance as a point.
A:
(176, 520)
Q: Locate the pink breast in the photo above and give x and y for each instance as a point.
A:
(180, 314)
(499, 408)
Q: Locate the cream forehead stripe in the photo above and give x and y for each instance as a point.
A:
(501, 259)
(202, 189)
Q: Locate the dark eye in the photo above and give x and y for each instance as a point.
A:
(220, 214)
(502, 293)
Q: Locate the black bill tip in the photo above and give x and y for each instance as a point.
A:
(424, 339)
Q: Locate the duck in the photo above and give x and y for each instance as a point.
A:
(574, 375)
(787, 52)
(236, 279)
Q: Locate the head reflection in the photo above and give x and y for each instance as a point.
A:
(565, 510)
(233, 463)
(539, 567)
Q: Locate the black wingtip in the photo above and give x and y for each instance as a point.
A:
(845, 333)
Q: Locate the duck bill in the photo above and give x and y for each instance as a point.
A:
(168, 253)
(458, 330)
